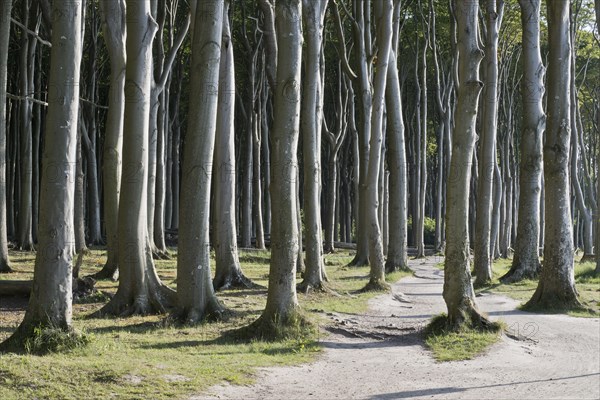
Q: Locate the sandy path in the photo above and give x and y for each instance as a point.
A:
(383, 356)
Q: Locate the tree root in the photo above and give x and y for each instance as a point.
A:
(307, 287)
(393, 267)
(271, 328)
(518, 272)
(376, 286)
(108, 272)
(5, 269)
(234, 281)
(359, 261)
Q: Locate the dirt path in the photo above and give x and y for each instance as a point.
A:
(381, 355)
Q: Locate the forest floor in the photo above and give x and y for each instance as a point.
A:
(381, 354)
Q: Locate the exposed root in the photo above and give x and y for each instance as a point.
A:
(307, 287)
(234, 281)
(520, 272)
(393, 267)
(469, 319)
(549, 300)
(214, 311)
(160, 255)
(108, 272)
(481, 283)
(276, 328)
(588, 258)
(376, 285)
(359, 261)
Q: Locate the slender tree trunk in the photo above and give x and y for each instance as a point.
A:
(458, 289)
(50, 301)
(228, 272)
(282, 307)
(140, 290)
(195, 293)
(113, 24)
(312, 120)
(483, 258)
(384, 11)
(526, 262)
(556, 288)
(397, 258)
(5, 12)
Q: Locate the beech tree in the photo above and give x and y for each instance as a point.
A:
(282, 306)
(5, 10)
(140, 289)
(556, 287)
(312, 121)
(113, 25)
(483, 260)
(50, 301)
(526, 262)
(195, 293)
(458, 289)
(228, 272)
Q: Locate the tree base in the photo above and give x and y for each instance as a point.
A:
(588, 258)
(5, 269)
(273, 328)
(160, 300)
(307, 287)
(470, 319)
(554, 300)
(392, 267)
(376, 286)
(359, 261)
(214, 311)
(108, 272)
(161, 255)
(481, 283)
(41, 339)
(519, 272)
(234, 281)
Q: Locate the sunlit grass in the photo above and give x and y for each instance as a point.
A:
(141, 357)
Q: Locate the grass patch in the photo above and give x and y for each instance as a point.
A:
(142, 357)
(465, 344)
(586, 282)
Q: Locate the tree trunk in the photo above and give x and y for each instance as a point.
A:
(228, 272)
(483, 259)
(281, 310)
(113, 24)
(5, 12)
(50, 302)
(526, 262)
(397, 258)
(384, 11)
(312, 121)
(458, 290)
(140, 290)
(195, 293)
(556, 288)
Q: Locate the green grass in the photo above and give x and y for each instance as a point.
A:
(456, 346)
(586, 282)
(140, 357)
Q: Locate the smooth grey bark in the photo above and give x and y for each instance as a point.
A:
(364, 98)
(556, 287)
(140, 289)
(25, 239)
(384, 11)
(79, 199)
(397, 258)
(312, 121)
(526, 262)
(5, 12)
(282, 306)
(50, 303)
(257, 174)
(228, 272)
(458, 290)
(195, 293)
(114, 29)
(482, 254)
